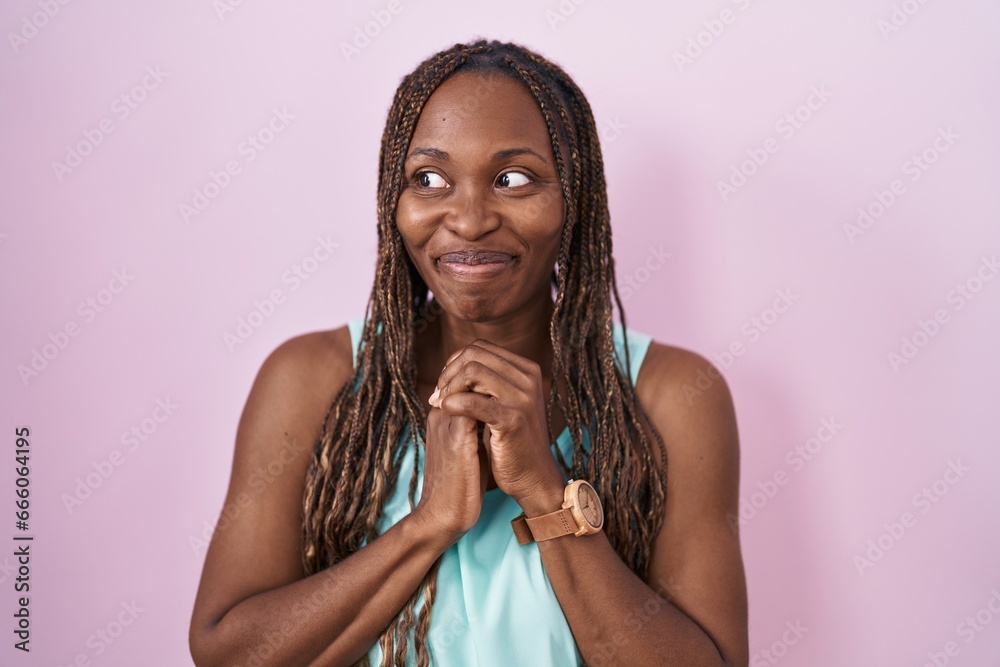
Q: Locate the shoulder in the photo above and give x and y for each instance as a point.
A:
(696, 561)
(690, 404)
(298, 380)
(682, 382)
(322, 357)
(256, 544)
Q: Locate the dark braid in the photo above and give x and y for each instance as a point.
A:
(355, 464)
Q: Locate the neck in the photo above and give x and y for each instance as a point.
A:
(525, 333)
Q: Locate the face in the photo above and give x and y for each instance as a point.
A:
(590, 507)
(481, 211)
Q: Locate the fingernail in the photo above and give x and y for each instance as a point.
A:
(433, 400)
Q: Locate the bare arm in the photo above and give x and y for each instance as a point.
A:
(255, 605)
(692, 610)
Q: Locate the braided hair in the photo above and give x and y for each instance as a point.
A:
(355, 463)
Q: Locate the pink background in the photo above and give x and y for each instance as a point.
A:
(671, 134)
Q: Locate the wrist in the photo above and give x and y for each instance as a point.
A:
(428, 533)
(546, 497)
(580, 513)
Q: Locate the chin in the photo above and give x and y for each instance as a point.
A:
(472, 308)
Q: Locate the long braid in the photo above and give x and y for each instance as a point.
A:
(356, 462)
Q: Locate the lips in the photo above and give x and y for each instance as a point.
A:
(475, 265)
(474, 258)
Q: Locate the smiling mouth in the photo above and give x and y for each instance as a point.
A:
(474, 264)
(473, 258)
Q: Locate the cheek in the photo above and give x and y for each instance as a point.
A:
(542, 220)
(412, 223)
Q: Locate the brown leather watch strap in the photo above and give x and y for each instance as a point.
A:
(545, 527)
(521, 530)
(555, 524)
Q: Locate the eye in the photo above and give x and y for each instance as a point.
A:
(428, 179)
(512, 179)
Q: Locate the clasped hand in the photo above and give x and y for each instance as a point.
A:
(485, 384)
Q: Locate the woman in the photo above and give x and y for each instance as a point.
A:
(445, 520)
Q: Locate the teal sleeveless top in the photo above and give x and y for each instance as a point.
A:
(494, 604)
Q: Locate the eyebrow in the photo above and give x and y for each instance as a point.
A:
(505, 154)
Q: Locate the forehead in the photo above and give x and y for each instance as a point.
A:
(481, 111)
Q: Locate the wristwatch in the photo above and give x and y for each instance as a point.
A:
(581, 514)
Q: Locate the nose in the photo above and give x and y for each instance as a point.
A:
(472, 215)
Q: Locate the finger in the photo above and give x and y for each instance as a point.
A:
(502, 353)
(512, 373)
(461, 426)
(514, 359)
(474, 376)
(475, 406)
(484, 466)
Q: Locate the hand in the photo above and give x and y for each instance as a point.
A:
(486, 383)
(455, 474)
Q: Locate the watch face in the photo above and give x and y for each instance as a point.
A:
(590, 506)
